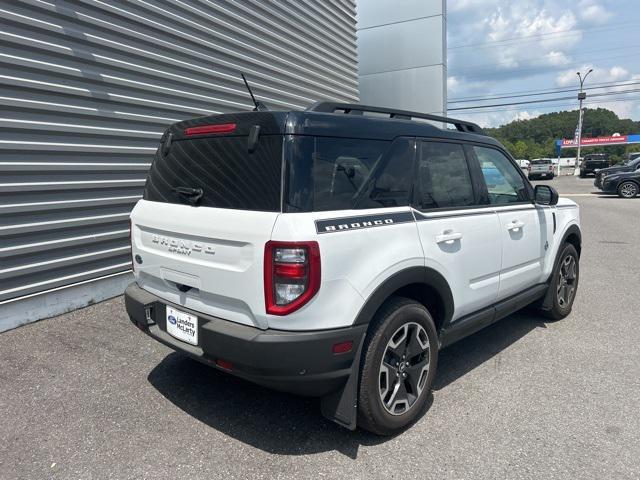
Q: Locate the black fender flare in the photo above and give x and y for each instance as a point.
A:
(342, 405)
(420, 275)
(572, 230)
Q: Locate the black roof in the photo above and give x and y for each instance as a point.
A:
(332, 119)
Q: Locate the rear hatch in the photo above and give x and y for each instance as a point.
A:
(210, 202)
(596, 162)
(540, 166)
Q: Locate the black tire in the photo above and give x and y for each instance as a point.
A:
(560, 308)
(531, 177)
(628, 189)
(583, 175)
(388, 323)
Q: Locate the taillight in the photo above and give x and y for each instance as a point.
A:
(529, 167)
(291, 275)
(550, 167)
(203, 129)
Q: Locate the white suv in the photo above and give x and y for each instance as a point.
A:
(333, 252)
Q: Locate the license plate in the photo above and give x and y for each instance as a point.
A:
(182, 325)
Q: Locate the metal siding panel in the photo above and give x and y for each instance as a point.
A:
(88, 86)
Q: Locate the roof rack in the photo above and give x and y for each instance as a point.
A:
(357, 109)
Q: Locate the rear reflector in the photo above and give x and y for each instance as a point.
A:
(204, 129)
(342, 347)
(224, 364)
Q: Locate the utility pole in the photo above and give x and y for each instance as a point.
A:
(581, 96)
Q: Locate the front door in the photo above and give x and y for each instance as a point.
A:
(523, 226)
(460, 237)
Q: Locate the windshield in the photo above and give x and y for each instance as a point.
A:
(327, 173)
(540, 162)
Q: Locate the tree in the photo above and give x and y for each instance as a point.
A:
(535, 138)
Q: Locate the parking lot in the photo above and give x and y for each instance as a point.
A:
(86, 395)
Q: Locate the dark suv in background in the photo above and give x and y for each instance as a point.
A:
(593, 162)
(629, 166)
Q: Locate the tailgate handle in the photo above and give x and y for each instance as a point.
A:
(182, 287)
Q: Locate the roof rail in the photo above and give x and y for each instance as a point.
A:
(356, 108)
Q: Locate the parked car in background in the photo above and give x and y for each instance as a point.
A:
(540, 168)
(593, 162)
(632, 156)
(629, 166)
(624, 184)
(524, 164)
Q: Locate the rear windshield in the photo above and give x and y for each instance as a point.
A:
(540, 162)
(326, 173)
(223, 169)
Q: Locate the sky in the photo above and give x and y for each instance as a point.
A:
(497, 47)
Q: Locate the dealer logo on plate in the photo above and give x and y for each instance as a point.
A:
(172, 319)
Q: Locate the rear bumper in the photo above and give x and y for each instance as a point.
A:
(298, 362)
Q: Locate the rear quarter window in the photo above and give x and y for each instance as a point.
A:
(330, 173)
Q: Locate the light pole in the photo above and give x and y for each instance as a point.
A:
(581, 96)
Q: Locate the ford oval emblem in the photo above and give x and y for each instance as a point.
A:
(172, 319)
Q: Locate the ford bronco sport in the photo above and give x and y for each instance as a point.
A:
(333, 252)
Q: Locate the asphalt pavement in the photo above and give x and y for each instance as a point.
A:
(87, 396)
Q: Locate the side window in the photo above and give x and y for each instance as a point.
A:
(504, 183)
(326, 173)
(443, 177)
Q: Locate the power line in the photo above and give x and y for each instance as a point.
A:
(561, 33)
(548, 92)
(572, 104)
(555, 99)
(621, 83)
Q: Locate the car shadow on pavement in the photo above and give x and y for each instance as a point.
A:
(471, 352)
(290, 425)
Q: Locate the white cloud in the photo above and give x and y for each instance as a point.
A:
(599, 75)
(594, 13)
(494, 119)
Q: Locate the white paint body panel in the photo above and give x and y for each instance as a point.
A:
(354, 264)
(471, 264)
(173, 241)
(523, 234)
(218, 252)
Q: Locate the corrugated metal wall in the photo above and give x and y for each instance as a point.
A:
(87, 87)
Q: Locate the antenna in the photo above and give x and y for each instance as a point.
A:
(259, 106)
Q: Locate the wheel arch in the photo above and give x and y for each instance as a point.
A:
(573, 235)
(422, 284)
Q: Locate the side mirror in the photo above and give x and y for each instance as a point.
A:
(545, 195)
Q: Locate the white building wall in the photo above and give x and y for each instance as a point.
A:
(402, 54)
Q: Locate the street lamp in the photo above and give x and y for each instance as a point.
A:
(581, 96)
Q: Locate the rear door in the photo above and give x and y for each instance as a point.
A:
(460, 237)
(209, 207)
(523, 226)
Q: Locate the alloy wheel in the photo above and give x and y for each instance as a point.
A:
(628, 190)
(567, 281)
(404, 368)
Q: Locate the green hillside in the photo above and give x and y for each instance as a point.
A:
(535, 138)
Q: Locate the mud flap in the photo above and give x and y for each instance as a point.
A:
(341, 406)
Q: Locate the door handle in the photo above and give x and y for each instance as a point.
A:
(448, 237)
(515, 225)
